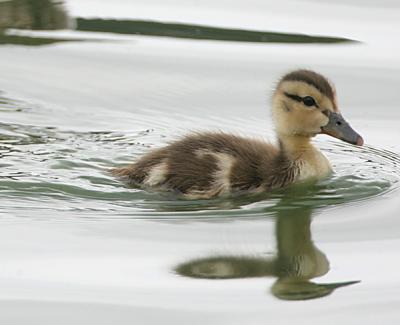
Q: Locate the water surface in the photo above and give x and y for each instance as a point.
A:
(78, 243)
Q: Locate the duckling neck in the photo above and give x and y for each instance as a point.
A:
(309, 160)
(295, 147)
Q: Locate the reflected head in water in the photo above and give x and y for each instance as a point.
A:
(296, 262)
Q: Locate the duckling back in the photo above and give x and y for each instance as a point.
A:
(210, 164)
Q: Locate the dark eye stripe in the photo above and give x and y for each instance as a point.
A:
(294, 97)
(299, 99)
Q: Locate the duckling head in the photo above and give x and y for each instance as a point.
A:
(304, 104)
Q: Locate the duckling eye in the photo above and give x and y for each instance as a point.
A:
(309, 101)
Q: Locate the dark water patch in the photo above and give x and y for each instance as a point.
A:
(31, 41)
(33, 14)
(8, 105)
(25, 134)
(178, 30)
(58, 190)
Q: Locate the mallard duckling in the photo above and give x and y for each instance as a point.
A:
(205, 165)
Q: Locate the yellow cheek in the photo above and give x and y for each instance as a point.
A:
(309, 121)
(322, 119)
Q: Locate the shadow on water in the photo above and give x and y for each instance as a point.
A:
(296, 262)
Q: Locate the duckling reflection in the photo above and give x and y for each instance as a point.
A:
(297, 261)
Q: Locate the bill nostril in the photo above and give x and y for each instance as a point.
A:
(338, 123)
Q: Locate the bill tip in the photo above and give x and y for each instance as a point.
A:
(360, 141)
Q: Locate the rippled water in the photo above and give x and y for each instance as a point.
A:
(62, 170)
(79, 245)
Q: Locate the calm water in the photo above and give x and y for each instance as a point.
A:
(78, 246)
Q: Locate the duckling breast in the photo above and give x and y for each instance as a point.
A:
(313, 165)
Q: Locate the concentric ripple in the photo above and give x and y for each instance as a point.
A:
(47, 169)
